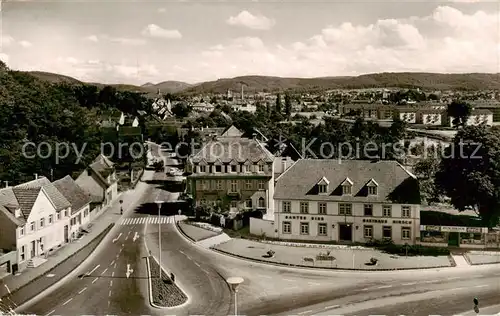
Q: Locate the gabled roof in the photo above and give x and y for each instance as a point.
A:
(56, 197)
(8, 198)
(347, 181)
(26, 198)
(101, 167)
(372, 183)
(232, 131)
(233, 148)
(18, 221)
(73, 193)
(323, 181)
(395, 183)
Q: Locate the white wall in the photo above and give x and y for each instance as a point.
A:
(51, 234)
(408, 117)
(333, 219)
(259, 227)
(431, 119)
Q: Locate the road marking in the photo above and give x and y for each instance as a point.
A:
(410, 283)
(365, 289)
(204, 271)
(181, 252)
(50, 275)
(67, 301)
(82, 290)
(301, 313)
(8, 290)
(313, 283)
(332, 306)
(112, 263)
(188, 257)
(116, 239)
(293, 287)
(453, 278)
(126, 238)
(114, 266)
(289, 280)
(430, 281)
(50, 313)
(117, 256)
(384, 287)
(93, 270)
(197, 264)
(484, 285)
(136, 236)
(95, 280)
(113, 274)
(111, 283)
(458, 288)
(104, 271)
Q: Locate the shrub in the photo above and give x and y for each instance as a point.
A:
(412, 250)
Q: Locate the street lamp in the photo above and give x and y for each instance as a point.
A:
(234, 282)
(159, 203)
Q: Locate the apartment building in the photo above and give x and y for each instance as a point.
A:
(233, 173)
(348, 201)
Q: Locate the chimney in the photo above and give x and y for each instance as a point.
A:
(36, 176)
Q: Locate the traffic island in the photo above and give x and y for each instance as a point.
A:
(163, 292)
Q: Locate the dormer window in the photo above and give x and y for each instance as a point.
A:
(372, 186)
(203, 169)
(347, 187)
(323, 185)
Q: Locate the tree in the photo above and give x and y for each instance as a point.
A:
(459, 111)
(288, 106)
(181, 110)
(469, 172)
(278, 103)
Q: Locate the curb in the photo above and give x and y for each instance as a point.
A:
(183, 233)
(151, 287)
(101, 235)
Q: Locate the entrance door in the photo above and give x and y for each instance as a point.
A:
(345, 232)
(33, 249)
(66, 234)
(453, 239)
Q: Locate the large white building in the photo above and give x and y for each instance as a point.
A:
(347, 201)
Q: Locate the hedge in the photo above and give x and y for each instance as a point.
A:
(413, 250)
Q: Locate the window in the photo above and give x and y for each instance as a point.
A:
(58, 216)
(261, 168)
(322, 208)
(42, 222)
(287, 228)
(23, 253)
(262, 185)
(248, 203)
(387, 211)
(405, 211)
(405, 233)
(262, 202)
(21, 231)
(234, 204)
(322, 188)
(85, 213)
(346, 189)
(233, 169)
(218, 168)
(287, 207)
(304, 228)
(248, 184)
(51, 218)
(345, 209)
(243, 168)
(387, 232)
(64, 213)
(368, 209)
(234, 186)
(206, 185)
(368, 231)
(372, 190)
(322, 229)
(203, 169)
(304, 207)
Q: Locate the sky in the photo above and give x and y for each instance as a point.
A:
(192, 41)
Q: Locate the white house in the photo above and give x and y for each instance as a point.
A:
(37, 220)
(477, 117)
(348, 201)
(80, 204)
(430, 116)
(406, 114)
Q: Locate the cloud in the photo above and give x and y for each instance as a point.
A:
(92, 38)
(162, 10)
(4, 57)
(128, 41)
(25, 44)
(255, 22)
(6, 40)
(153, 30)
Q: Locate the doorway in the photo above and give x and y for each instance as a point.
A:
(345, 232)
(66, 234)
(33, 249)
(453, 239)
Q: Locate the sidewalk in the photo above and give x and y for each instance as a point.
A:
(483, 257)
(346, 258)
(110, 214)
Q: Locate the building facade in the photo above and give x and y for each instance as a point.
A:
(351, 201)
(233, 173)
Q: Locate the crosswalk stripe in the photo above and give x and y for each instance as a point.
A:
(149, 220)
(163, 219)
(136, 221)
(127, 221)
(155, 220)
(143, 220)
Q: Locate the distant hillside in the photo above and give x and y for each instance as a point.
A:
(427, 81)
(167, 86)
(52, 77)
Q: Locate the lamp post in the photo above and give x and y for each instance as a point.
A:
(234, 282)
(159, 203)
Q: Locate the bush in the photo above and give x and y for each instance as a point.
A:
(389, 247)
